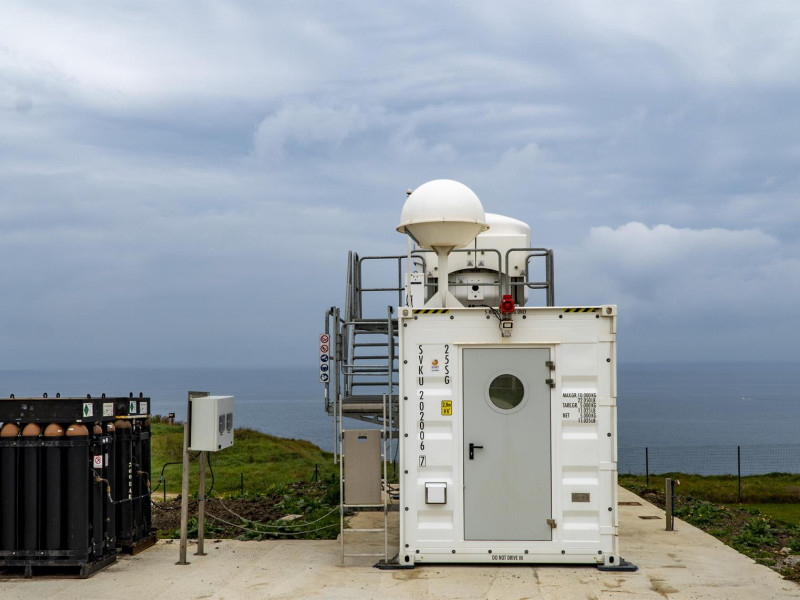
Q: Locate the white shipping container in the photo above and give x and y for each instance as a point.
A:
(508, 443)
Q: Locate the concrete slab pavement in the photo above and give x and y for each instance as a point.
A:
(683, 564)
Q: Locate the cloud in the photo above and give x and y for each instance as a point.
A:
(683, 292)
(311, 129)
(175, 172)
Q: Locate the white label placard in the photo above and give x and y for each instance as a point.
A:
(579, 406)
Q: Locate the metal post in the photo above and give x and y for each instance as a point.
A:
(165, 489)
(390, 354)
(647, 466)
(739, 470)
(385, 484)
(336, 345)
(201, 506)
(185, 477)
(185, 483)
(241, 481)
(668, 504)
(341, 498)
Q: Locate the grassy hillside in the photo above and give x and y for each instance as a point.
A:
(262, 460)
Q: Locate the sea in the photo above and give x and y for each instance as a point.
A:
(659, 405)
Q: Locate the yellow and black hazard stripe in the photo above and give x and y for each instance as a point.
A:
(431, 311)
(590, 309)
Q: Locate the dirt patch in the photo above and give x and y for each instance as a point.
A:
(257, 517)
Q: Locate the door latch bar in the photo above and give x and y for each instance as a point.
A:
(472, 448)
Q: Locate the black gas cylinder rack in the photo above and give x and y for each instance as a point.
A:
(56, 484)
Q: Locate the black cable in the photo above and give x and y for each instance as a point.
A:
(495, 312)
(161, 477)
(210, 468)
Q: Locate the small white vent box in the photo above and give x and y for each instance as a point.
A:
(211, 423)
(435, 492)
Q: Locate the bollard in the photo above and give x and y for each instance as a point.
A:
(669, 492)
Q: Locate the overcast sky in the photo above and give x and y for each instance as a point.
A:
(180, 181)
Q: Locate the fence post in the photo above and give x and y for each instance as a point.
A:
(647, 466)
(241, 481)
(739, 470)
(668, 504)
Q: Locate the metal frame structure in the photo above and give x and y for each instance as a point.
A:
(385, 449)
(352, 333)
(364, 351)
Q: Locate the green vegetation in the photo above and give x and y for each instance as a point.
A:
(774, 488)
(784, 513)
(262, 460)
(291, 487)
(705, 502)
(775, 494)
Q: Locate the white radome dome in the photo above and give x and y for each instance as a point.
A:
(442, 214)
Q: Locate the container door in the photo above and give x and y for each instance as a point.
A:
(507, 472)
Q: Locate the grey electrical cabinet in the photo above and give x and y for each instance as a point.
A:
(362, 467)
(211, 424)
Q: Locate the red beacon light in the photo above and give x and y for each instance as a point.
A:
(507, 305)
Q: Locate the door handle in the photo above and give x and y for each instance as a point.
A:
(472, 448)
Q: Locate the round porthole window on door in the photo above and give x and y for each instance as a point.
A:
(506, 391)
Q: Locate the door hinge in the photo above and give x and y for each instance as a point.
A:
(552, 523)
(551, 364)
(550, 382)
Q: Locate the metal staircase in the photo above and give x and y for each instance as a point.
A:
(363, 383)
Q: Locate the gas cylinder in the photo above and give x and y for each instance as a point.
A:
(30, 487)
(77, 488)
(123, 478)
(8, 486)
(110, 471)
(51, 486)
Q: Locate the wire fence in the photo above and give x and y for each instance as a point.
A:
(758, 459)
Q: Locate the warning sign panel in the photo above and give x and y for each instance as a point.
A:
(97, 461)
(324, 357)
(447, 408)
